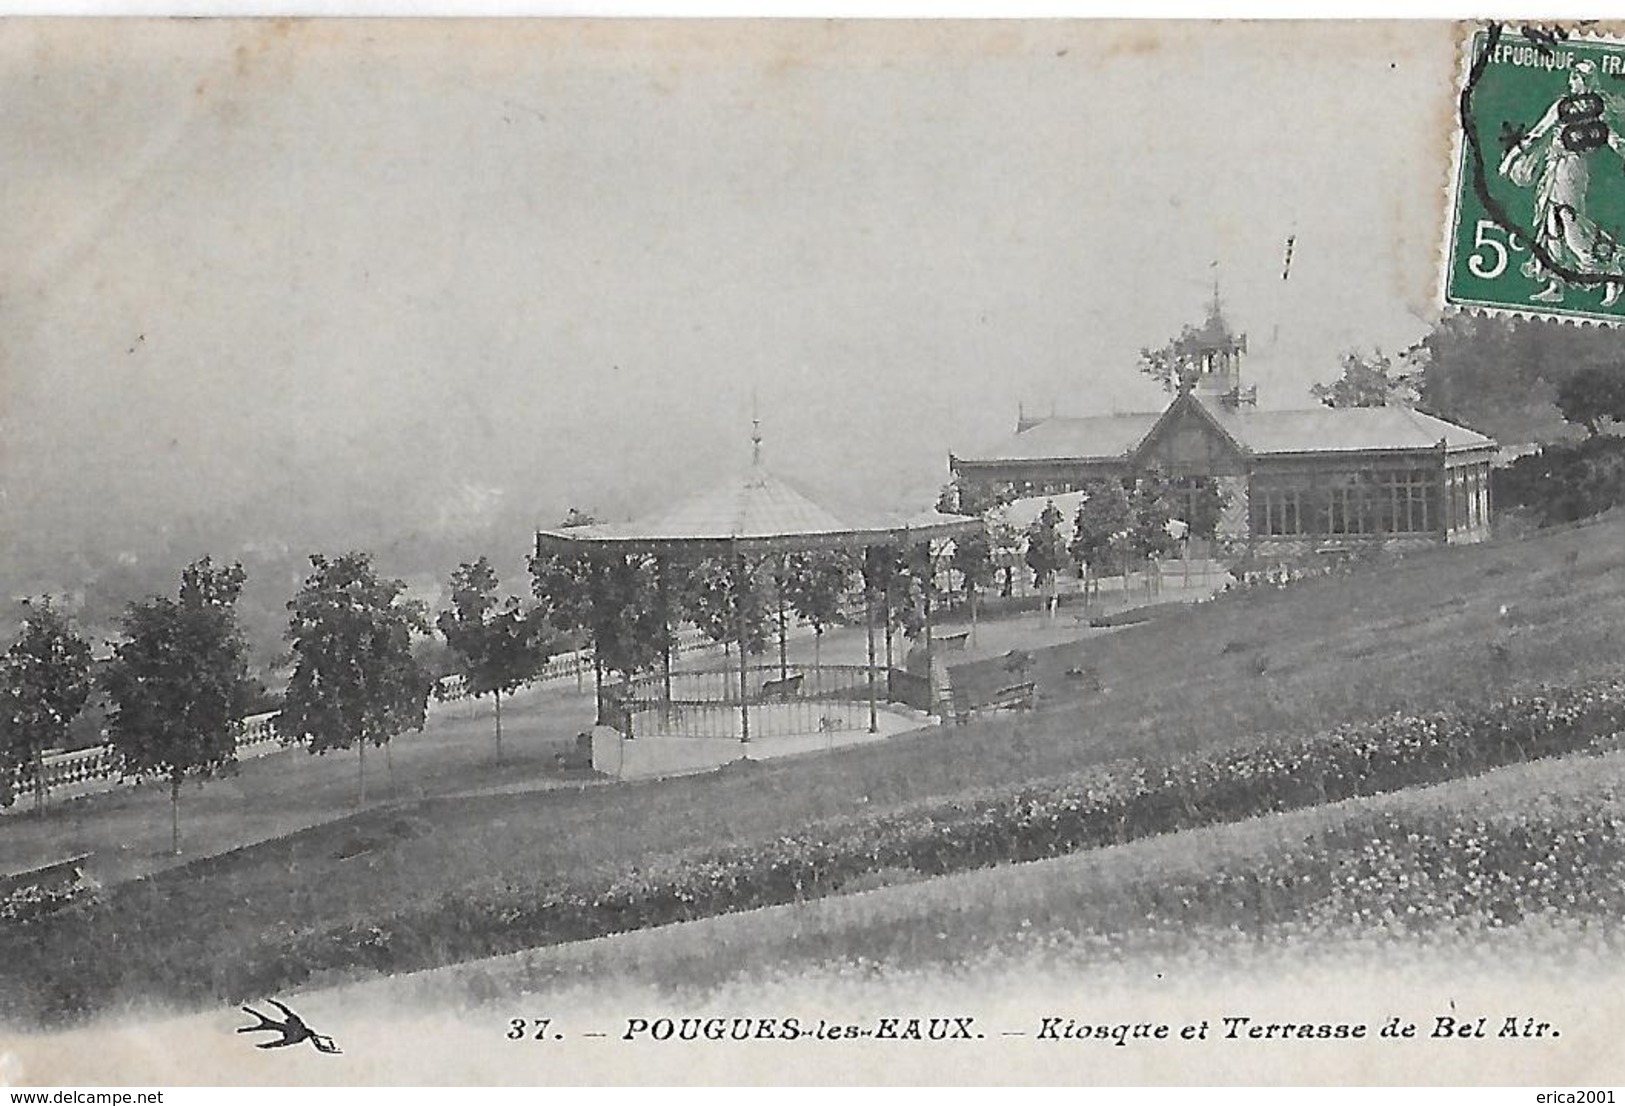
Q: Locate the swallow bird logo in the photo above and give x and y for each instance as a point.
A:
(292, 1030)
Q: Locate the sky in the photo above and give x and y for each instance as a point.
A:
(308, 281)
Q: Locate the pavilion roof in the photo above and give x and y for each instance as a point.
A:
(758, 512)
(1261, 432)
(1345, 429)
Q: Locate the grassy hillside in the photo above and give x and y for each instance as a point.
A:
(1451, 625)
(1547, 858)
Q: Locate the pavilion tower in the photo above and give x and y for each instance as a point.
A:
(1213, 360)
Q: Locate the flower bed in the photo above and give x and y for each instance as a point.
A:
(35, 900)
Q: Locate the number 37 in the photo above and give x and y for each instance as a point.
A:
(1490, 255)
(535, 1028)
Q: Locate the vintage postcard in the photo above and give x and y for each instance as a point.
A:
(576, 552)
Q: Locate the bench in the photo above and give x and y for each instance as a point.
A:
(1014, 697)
(784, 688)
(954, 642)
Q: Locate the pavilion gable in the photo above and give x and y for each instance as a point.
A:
(1189, 440)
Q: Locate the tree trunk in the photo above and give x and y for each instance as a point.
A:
(869, 631)
(175, 814)
(784, 667)
(665, 639)
(389, 766)
(930, 669)
(497, 694)
(361, 771)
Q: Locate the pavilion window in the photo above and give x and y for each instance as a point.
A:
(1403, 496)
(1277, 509)
(1348, 508)
(1419, 507)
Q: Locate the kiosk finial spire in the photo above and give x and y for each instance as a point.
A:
(755, 433)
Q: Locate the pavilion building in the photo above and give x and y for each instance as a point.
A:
(1292, 481)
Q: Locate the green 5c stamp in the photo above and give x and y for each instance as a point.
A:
(1538, 220)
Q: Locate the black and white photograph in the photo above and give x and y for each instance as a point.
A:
(807, 552)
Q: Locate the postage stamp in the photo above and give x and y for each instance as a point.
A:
(1538, 221)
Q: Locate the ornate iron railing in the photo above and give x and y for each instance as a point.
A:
(792, 699)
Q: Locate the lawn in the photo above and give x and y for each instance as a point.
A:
(1185, 898)
(1064, 937)
(126, 830)
(1446, 625)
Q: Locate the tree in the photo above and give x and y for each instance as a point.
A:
(1593, 395)
(915, 587)
(612, 599)
(44, 684)
(179, 683)
(1046, 549)
(562, 582)
(814, 585)
(356, 680)
(972, 558)
(1501, 375)
(1564, 481)
(563, 585)
(1006, 543)
(1205, 508)
(998, 546)
(1368, 381)
(628, 632)
(888, 583)
(498, 645)
(718, 593)
(974, 497)
(1150, 508)
(1180, 360)
(1104, 517)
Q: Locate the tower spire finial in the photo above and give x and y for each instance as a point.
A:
(755, 433)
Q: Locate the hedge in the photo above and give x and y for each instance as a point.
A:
(1105, 805)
